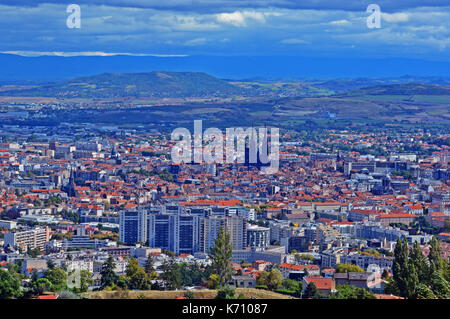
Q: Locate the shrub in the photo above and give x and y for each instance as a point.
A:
(287, 292)
(262, 287)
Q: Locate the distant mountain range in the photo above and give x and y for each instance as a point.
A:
(163, 84)
(152, 84)
(51, 68)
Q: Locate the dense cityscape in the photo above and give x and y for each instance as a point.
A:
(86, 211)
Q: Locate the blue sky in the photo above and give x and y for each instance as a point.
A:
(409, 29)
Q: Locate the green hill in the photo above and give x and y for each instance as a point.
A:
(153, 84)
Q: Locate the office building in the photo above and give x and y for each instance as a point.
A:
(133, 227)
(258, 236)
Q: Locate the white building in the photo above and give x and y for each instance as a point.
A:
(80, 265)
(9, 224)
(258, 236)
(34, 238)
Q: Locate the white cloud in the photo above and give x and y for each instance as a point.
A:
(395, 17)
(191, 23)
(194, 42)
(294, 41)
(240, 19)
(84, 53)
(340, 22)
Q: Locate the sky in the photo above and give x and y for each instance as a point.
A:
(418, 29)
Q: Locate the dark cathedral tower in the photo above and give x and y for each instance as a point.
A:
(70, 187)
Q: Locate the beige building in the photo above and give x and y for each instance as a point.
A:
(28, 239)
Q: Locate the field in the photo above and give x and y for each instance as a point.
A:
(198, 294)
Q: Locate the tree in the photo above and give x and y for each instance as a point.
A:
(310, 291)
(343, 268)
(415, 276)
(85, 281)
(149, 265)
(405, 274)
(171, 275)
(440, 286)
(391, 287)
(50, 264)
(225, 292)
(424, 292)
(292, 286)
(434, 257)
(58, 277)
(447, 226)
(41, 285)
(122, 282)
(307, 257)
(418, 260)
(352, 292)
(33, 253)
(9, 286)
(263, 278)
(447, 271)
(275, 279)
(109, 277)
(166, 175)
(220, 255)
(191, 275)
(150, 269)
(213, 282)
(137, 277)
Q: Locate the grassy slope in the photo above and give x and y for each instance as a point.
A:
(199, 294)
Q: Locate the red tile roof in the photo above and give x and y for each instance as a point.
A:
(299, 267)
(47, 297)
(321, 283)
(397, 216)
